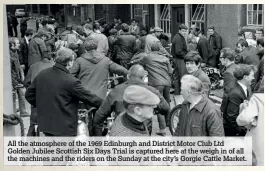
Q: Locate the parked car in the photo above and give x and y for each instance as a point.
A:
(20, 13)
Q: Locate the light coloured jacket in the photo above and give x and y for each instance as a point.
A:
(252, 117)
(150, 40)
(102, 41)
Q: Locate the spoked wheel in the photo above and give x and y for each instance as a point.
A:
(174, 118)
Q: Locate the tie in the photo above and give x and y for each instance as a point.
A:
(248, 93)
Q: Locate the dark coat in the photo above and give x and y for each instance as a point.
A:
(203, 77)
(259, 75)
(24, 52)
(249, 56)
(125, 44)
(204, 119)
(24, 24)
(229, 82)
(14, 21)
(215, 42)
(15, 68)
(114, 102)
(56, 94)
(93, 69)
(37, 50)
(179, 47)
(231, 111)
(206, 52)
(229, 79)
(35, 69)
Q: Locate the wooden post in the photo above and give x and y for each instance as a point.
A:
(8, 130)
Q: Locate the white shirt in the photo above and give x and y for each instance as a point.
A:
(244, 88)
(197, 39)
(27, 41)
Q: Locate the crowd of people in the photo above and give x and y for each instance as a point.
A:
(59, 70)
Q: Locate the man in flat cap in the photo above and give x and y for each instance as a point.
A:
(139, 103)
(153, 39)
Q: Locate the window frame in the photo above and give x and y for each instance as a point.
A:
(257, 15)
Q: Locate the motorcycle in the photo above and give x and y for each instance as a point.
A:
(215, 78)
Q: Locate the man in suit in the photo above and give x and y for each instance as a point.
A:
(215, 41)
(244, 74)
(227, 59)
(56, 94)
(178, 51)
(204, 49)
(24, 51)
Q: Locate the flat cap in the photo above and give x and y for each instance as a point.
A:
(158, 29)
(42, 33)
(139, 95)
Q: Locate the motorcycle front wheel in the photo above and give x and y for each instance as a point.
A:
(174, 118)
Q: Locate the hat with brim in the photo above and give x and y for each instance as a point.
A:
(140, 95)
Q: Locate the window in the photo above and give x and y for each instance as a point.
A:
(138, 12)
(197, 16)
(255, 14)
(165, 18)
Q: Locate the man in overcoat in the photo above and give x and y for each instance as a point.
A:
(56, 95)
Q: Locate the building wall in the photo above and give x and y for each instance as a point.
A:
(227, 20)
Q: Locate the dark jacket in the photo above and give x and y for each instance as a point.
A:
(37, 50)
(229, 79)
(158, 67)
(259, 74)
(125, 44)
(23, 23)
(114, 102)
(206, 83)
(204, 119)
(56, 94)
(24, 52)
(229, 83)
(14, 21)
(93, 68)
(249, 56)
(206, 52)
(15, 68)
(35, 69)
(231, 111)
(215, 42)
(179, 47)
